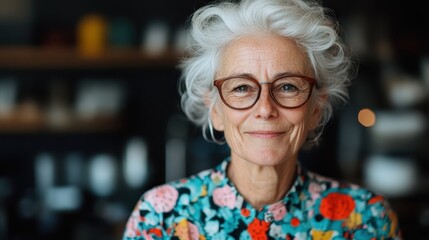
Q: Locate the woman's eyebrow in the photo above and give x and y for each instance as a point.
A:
(285, 74)
(277, 76)
(238, 75)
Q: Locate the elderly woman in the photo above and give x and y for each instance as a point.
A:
(265, 73)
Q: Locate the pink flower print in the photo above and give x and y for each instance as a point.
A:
(334, 184)
(278, 210)
(217, 177)
(132, 229)
(224, 197)
(310, 213)
(315, 189)
(162, 198)
(146, 236)
(354, 186)
(136, 233)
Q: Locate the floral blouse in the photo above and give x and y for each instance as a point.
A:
(208, 206)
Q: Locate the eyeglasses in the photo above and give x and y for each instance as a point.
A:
(242, 92)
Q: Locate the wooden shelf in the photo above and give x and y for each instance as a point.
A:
(38, 124)
(69, 58)
(78, 126)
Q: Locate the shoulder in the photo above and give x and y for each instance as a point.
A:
(363, 212)
(158, 208)
(320, 185)
(163, 198)
(336, 192)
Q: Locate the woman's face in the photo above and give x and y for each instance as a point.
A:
(265, 134)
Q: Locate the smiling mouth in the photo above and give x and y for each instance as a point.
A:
(265, 134)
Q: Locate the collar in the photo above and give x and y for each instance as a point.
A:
(292, 195)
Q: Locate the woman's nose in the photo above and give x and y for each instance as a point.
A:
(265, 106)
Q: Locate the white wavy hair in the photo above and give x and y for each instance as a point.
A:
(216, 25)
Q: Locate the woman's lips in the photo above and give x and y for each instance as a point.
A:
(265, 134)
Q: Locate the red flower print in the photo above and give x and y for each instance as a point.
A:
(245, 212)
(257, 229)
(294, 222)
(155, 232)
(337, 206)
(375, 199)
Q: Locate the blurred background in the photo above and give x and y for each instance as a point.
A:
(90, 115)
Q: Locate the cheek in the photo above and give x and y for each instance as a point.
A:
(232, 120)
(297, 117)
(226, 119)
(300, 118)
(313, 116)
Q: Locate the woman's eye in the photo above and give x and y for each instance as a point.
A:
(241, 89)
(289, 88)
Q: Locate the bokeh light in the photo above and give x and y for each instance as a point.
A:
(366, 117)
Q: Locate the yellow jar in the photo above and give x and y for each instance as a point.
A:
(92, 35)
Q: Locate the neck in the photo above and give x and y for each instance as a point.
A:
(262, 185)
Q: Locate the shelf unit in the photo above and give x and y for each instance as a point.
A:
(29, 128)
(21, 57)
(41, 124)
(43, 59)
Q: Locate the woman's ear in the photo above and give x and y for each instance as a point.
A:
(315, 117)
(216, 115)
(317, 111)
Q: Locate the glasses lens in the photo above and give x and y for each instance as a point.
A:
(240, 92)
(291, 91)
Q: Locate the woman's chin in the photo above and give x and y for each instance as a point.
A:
(267, 158)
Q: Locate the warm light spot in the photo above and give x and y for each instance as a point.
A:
(366, 117)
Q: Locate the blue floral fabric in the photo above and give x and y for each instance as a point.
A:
(208, 206)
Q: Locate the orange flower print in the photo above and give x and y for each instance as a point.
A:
(394, 226)
(258, 229)
(336, 206)
(353, 221)
(322, 235)
(185, 230)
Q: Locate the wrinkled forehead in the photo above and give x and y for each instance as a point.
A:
(263, 56)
